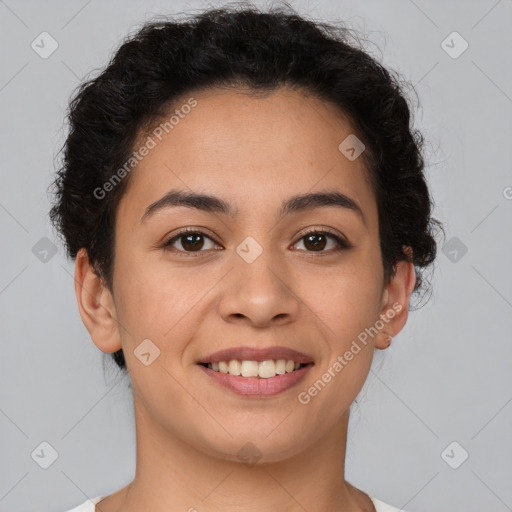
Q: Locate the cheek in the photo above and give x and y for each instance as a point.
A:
(346, 299)
(345, 307)
(153, 303)
(346, 304)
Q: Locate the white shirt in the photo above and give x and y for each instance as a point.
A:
(89, 506)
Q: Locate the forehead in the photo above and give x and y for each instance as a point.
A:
(248, 150)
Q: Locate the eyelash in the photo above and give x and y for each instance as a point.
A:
(342, 244)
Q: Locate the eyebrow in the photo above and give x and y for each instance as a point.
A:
(213, 204)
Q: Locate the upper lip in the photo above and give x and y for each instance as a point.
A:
(256, 354)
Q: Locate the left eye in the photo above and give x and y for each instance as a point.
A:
(316, 239)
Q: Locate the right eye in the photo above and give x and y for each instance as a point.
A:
(191, 240)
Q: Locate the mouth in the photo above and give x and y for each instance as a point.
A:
(265, 369)
(250, 362)
(256, 372)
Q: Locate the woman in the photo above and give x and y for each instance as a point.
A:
(246, 203)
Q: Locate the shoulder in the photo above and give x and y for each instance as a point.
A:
(380, 506)
(88, 506)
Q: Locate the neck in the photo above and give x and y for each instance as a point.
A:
(176, 474)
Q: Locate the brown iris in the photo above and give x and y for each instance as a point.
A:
(315, 246)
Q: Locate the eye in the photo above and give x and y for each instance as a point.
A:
(316, 241)
(191, 240)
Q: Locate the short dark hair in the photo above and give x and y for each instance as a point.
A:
(240, 47)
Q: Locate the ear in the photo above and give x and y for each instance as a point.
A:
(96, 305)
(395, 301)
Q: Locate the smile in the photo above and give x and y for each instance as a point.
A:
(256, 369)
(253, 384)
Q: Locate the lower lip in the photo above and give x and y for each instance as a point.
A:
(255, 386)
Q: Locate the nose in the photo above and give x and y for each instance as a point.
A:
(259, 294)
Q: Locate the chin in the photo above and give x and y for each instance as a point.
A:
(252, 445)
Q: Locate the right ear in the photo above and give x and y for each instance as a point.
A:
(96, 305)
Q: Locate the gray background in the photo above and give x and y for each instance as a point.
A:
(445, 377)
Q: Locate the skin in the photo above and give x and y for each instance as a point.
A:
(254, 153)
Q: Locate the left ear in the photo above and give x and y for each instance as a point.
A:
(395, 301)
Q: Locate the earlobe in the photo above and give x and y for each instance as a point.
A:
(395, 302)
(96, 305)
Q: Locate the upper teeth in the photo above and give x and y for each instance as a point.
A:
(264, 369)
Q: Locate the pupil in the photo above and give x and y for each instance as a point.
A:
(192, 245)
(315, 245)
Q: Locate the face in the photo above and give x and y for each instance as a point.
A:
(308, 279)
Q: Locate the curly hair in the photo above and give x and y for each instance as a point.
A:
(240, 47)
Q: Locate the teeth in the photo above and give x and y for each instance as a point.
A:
(263, 369)
(281, 366)
(267, 369)
(235, 367)
(250, 368)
